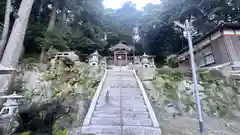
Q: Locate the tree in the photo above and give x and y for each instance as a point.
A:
(51, 25)
(15, 44)
(5, 28)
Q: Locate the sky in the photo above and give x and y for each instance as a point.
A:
(115, 4)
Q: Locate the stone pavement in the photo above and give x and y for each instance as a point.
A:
(120, 108)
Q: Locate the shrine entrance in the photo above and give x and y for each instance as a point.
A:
(120, 58)
(121, 55)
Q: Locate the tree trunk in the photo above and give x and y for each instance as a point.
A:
(15, 43)
(5, 28)
(53, 18)
(51, 24)
(64, 17)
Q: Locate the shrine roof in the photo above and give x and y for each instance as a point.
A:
(122, 46)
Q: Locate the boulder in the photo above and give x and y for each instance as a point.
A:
(238, 101)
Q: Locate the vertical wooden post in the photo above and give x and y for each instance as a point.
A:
(114, 58)
(126, 58)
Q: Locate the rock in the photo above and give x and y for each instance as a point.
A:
(235, 114)
(64, 122)
(238, 101)
(8, 126)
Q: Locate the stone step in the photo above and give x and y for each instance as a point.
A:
(137, 122)
(138, 106)
(111, 103)
(102, 129)
(125, 114)
(106, 112)
(139, 130)
(123, 98)
(129, 114)
(123, 105)
(105, 121)
(107, 115)
(134, 109)
(108, 109)
(125, 95)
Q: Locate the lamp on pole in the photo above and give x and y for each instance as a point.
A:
(187, 28)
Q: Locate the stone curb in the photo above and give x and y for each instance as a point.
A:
(88, 117)
(148, 104)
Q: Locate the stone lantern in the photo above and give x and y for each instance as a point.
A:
(145, 60)
(94, 59)
(10, 107)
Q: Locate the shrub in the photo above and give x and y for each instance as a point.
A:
(172, 61)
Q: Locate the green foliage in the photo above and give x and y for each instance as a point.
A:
(218, 95)
(54, 38)
(172, 61)
(177, 76)
(170, 90)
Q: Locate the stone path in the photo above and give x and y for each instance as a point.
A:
(121, 108)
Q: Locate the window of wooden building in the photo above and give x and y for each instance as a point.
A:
(207, 57)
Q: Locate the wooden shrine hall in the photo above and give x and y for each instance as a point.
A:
(121, 55)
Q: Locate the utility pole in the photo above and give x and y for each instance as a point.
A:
(187, 28)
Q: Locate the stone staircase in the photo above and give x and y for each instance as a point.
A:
(120, 107)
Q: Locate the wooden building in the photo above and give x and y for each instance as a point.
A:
(121, 55)
(220, 46)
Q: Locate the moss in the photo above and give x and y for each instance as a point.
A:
(26, 133)
(170, 91)
(57, 131)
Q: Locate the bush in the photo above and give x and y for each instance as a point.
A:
(172, 61)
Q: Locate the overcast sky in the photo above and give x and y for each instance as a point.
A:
(115, 4)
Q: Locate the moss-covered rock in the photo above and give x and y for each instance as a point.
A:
(218, 93)
(70, 87)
